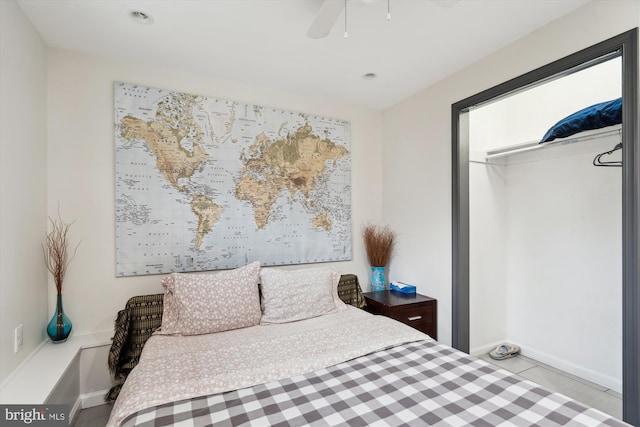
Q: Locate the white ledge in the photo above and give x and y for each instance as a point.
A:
(39, 374)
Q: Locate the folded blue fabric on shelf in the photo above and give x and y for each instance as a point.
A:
(596, 116)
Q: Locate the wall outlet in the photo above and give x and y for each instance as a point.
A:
(17, 339)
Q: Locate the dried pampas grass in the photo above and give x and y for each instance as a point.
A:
(56, 251)
(378, 242)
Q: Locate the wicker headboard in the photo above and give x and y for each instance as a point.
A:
(142, 315)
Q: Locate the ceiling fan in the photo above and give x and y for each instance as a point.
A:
(331, 9)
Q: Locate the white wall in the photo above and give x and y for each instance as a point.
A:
(488, 252)
(417, 142)
(81, 170)
(92, 362)
(416, 194)
(23, 168)
(564, 262)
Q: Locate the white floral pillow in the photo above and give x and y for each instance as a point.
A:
(290, 295)
(204, 303)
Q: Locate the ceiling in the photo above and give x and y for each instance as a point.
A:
(264, 42)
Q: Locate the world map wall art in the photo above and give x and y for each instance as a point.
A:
(208, 184)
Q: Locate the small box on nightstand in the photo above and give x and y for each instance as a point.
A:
(402, 287)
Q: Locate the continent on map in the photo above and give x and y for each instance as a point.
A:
(292, 163)
(174, 137)
(208, 214)
(261, 194)
(176, 141)
(321, 221)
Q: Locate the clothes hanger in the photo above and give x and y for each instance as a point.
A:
(598, 162)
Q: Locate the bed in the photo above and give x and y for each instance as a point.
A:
(311, 359)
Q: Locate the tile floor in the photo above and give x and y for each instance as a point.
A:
(591, 394)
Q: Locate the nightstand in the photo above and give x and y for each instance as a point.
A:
(415, 310)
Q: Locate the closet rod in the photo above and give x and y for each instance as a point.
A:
(532, 146)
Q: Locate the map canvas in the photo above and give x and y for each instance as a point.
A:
(207, 184)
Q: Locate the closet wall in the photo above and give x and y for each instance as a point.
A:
(546, 232)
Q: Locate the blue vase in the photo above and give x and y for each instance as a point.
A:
(377, 279)
(60, 326)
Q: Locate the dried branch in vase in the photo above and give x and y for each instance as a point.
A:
(378, 242)
(56, 250)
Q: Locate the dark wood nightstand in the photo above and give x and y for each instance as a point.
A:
(418, 311)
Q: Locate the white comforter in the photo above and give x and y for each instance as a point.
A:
(174, 368)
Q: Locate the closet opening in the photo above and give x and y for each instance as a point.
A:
(546, 233)
(513, 260)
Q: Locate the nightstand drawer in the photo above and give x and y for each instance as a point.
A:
(419, 318)
(417, 311)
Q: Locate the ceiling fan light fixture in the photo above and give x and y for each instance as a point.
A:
(141, 17)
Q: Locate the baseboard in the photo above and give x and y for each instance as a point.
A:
(96, 398)
(603, 380)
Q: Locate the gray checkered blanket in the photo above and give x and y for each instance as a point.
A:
(422, 383)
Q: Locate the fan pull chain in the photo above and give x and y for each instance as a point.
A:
(346, 35)
(388, 10)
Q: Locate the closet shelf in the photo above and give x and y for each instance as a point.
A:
(534, 146)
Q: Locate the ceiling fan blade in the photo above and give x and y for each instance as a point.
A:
(326, 17)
